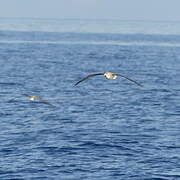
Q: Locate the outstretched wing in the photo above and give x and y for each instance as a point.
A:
(25, 95)
(129, 79)
(45, 101)
(87, 77)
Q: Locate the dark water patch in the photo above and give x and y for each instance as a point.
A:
(168, 176)
(155, 178)
(103, 146)
(10, 84)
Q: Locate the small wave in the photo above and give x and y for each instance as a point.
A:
(10, 84)
(97, 145)
(156, 178)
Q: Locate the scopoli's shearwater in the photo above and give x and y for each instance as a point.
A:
(37, 98)
(109, 76)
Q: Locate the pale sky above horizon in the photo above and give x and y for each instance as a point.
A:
(93, 9)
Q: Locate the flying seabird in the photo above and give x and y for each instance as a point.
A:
(37, 98)
(109, 76)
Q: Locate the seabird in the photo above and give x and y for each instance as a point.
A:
(37, 98)
(109, 76)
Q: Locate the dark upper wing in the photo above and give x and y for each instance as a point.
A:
(129, 79)
(89, 76)
(25, 95)
(45, 101)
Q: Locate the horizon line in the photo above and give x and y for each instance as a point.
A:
(93, 19)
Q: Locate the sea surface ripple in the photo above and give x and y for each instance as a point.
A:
(100, 129)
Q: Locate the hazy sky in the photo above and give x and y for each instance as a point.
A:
(95, 9)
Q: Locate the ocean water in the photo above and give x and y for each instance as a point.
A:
(100, 129)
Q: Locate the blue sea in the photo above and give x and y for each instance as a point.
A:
(100, 129)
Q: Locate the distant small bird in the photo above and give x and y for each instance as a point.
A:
(37, 98)
(109, 76)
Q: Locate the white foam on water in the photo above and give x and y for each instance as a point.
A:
(111, 43)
